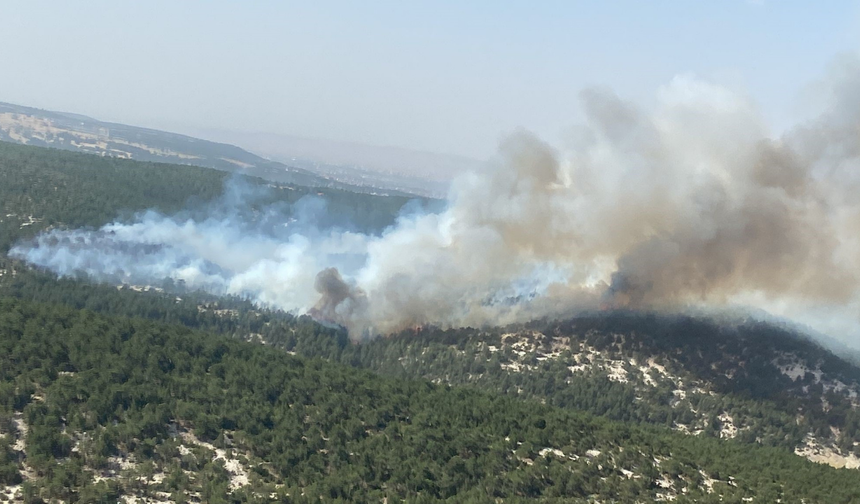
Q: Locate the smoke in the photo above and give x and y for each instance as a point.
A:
(339, 301)
(691, 204)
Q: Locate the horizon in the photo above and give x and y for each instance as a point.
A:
(446, 79)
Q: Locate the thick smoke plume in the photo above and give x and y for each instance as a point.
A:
(694, 203)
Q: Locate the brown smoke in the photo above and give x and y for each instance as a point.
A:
(339, 302)
(772, 233)
(693, 203)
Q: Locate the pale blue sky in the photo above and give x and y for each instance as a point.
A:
(437, 76)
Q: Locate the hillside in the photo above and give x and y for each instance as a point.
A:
(751, 382)
(421, 172)
(44, 188)
(96, 408)
(74, 132)
(155, 392)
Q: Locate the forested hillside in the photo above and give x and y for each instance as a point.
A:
(161, 393)
(754, 383)
(45, 188)
(95, 407)
(749, 381)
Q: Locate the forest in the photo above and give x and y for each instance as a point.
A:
(120, 390)
(763, 403)
(44, 188)
(92, 388)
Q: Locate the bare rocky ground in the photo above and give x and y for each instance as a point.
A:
(525, 352)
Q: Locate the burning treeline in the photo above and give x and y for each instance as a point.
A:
(692, 203)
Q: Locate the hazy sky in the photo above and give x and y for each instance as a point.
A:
(437, 76)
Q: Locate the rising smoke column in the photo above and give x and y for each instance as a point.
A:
(692, 204)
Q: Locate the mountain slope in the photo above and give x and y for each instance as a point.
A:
(151, 396)
(785, 390)
(665, 371)
(30, 126)
(47, 188)
(750, 381)
(756, 383)
(97, 408)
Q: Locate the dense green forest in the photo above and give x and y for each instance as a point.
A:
(766, 406)
(108, 390)
(706, 369)
(44, 188)
(92, 389)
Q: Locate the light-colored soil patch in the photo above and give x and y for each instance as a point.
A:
(816, 452)
(238, 472)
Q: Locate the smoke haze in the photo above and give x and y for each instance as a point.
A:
(691, 204)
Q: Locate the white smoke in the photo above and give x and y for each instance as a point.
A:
(693, 204)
